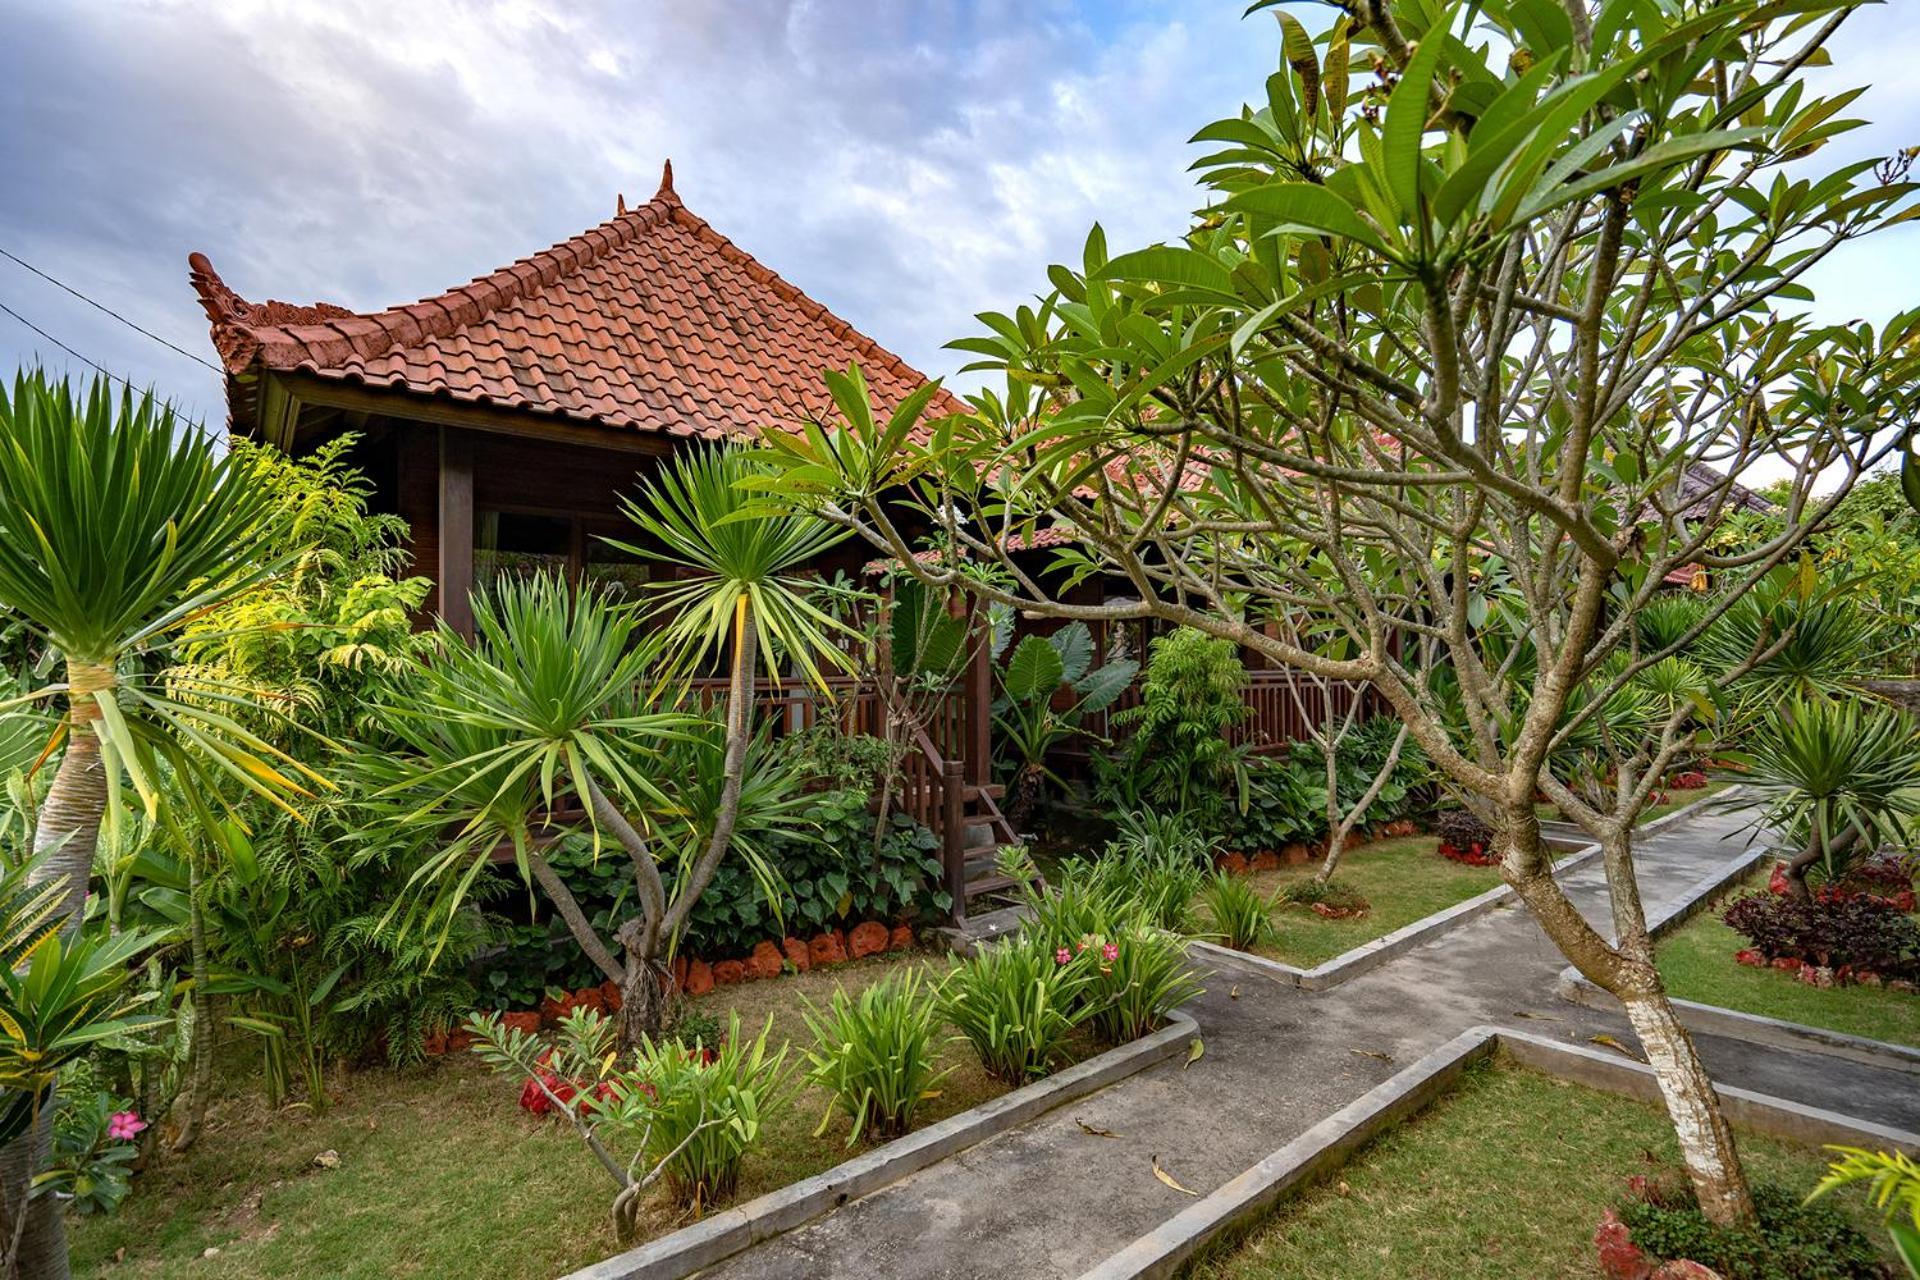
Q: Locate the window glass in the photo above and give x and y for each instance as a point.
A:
(509, 544)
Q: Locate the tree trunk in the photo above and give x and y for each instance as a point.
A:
(1626, 972)
(200, 1071)
(643, 1001)
(43, 1236)
(1706, 1140)
(68, 828)
(65, 835)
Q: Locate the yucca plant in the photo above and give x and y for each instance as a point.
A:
(1135, 978)
(1834, 779)
(548, 702)
(1237, 911)
(876, 1053)
(1017, 1001)
(711, 1105)
(1893, 1187)
(1803, 642)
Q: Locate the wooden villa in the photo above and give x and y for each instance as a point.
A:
(504, 418)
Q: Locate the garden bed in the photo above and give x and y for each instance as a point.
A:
(1436, 1196)
(1697, 961)
(439, 1171)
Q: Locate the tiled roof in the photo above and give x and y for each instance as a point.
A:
(651, 321)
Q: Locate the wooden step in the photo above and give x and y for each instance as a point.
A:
(990, 884)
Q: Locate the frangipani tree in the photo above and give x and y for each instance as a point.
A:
(1474, 288)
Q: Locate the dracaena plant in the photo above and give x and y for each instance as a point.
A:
(1477, 289)
(561, 703)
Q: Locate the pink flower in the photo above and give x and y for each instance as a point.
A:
(1110, 952)
(124, 1126)
(1062, 956)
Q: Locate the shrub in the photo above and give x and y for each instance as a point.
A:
(1135, 978)
(710, 1107)
(1285, 802)
(1465, 838)
(1792, 1241)
(1017, 1001)
(1238, 912)
(875, 1053)
(1088, 896)
(1180, 756)
(1855, 932)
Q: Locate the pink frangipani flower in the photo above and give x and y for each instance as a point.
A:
(1110, 952)
(1062, 956)
(125, 1126)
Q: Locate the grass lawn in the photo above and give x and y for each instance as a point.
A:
(440, 1172)
(1697, 962)
(1505, 1179)
(1404, 879)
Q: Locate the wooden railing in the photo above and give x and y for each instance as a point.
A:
(1276, 717)
(946, 755)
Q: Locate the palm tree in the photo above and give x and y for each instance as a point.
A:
(118, 527)
(560, 694)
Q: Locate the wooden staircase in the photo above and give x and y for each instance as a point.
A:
(964, 812)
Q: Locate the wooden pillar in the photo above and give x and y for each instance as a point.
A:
(456, 529)
(953, 837)
(978, 682)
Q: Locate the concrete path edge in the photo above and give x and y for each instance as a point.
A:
(1368, 956)
(683, 1252)
(1329, 1144)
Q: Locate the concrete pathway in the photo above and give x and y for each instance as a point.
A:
(1050, 1200)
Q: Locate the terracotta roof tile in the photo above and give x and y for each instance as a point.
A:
(652, 321)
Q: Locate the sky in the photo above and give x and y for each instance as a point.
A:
(906, 163)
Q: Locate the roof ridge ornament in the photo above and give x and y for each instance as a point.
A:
(666, 190)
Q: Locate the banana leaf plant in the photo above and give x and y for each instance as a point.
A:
(1048, 686)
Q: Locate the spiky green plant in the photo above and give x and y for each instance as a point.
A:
(1834, 779)
(876, 1053)
(1017, 1001)
(118, 526)
(711, 1105)
(1893, 1187)
(1239, 915)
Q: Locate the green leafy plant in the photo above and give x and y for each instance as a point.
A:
(1035, 679)
(1893, 1187)
(710, 1106)
(1834, 779)
(1136, 976)
(1237, 911)
(689, 1111)
(1789, 1240)
(1018, 1002)
(1180, 753)
(93, 1149)
(876, 1053)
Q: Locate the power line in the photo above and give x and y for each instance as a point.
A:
(105, 372)
(103, 308)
